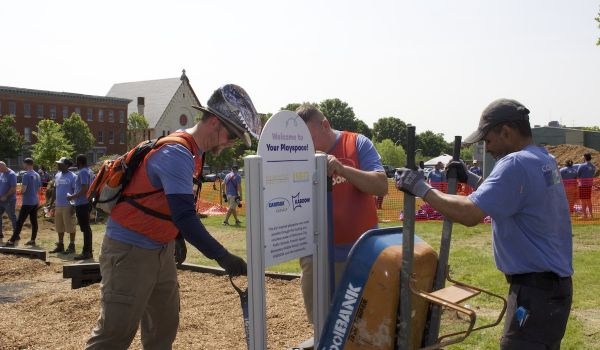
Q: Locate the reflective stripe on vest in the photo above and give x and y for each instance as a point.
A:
(354, 212)
(157, 229)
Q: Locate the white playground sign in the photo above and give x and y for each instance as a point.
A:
(288, 168)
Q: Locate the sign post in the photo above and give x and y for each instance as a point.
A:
(286, 214)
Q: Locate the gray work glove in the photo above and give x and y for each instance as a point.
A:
(463, 174)
(232, 264)
(180, 249)
(412, 182)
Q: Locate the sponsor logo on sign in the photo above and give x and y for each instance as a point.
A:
(300, 176)
(278, 205)
(297, 201)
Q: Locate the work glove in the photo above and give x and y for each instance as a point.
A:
(232, 264)
(224, 197)
(180, 249)
(463, 174)
(238, 200)
(412, 182)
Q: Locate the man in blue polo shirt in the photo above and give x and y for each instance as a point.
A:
(531, 226)
(437, 177)
(8, 195)
(233, 191)
(82, 206)
(30, 187)
(585, 174)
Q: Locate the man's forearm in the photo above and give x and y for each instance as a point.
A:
(454, 207)
(371, 182)
(81, 192)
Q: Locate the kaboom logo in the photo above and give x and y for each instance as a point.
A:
(297, 201)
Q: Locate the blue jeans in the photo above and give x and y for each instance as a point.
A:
(8, 206)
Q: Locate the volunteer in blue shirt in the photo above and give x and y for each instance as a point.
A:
(30, 187)
(437, 177)
(569, 179)
(585, 174)
(531, 226)
(8, 196)
(233, 191)
(82, 206)
(64, 221)
(475, 169)
(139, 275)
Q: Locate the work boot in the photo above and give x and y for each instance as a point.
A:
(84, 256)
(70, 249)
(60, 247)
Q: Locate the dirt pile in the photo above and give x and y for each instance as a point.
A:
(574, 153)
(52, 316)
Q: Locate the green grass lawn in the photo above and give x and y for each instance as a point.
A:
(471, 261)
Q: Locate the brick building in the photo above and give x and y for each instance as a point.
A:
(106, 116)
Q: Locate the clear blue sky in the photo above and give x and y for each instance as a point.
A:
(435, 64)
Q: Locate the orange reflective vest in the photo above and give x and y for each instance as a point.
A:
(354, 212)
(144, 208)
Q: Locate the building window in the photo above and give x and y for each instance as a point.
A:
(111, 137)
(90, 115)
(122, 137)
(12, 108)
(100, 115)
(78, 110)
(111, 116)
(53, 112)
(27, 110)
(65, 111)
(121, 117)
(39, 111)
(183, 120)
(100, 136)
(27, 134)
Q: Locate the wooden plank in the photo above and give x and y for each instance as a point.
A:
(28, 253)
(455, 293)
(81, 270)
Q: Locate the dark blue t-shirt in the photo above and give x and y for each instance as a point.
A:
(531, 225)
(585, 173)
(568, 173)
(32, 180)
(84, 177)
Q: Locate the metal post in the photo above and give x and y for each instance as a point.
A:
(408, 242)
(440, 275)
(255, 247)
(321, 264)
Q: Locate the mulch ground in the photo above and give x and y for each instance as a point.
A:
(38, 310)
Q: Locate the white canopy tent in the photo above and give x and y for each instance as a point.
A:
(444, 158)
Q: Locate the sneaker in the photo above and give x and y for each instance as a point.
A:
(60, 247)
(225, 223)
(238, 222)
(84, 256)
(10, 244)
(70, 249)
(30, 243)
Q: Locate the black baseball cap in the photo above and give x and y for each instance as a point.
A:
(501, 110)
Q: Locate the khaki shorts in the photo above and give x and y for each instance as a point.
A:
(231, 201)
(64, 220)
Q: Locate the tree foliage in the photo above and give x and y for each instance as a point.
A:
(391, 128)
(598, 20)
(51, 143)
(391, 153)
(431, 144)
(363, 128)
(78, 134)
(291, 107)
(340, 114)
(592, 128)
(137, 121)
(11, 142)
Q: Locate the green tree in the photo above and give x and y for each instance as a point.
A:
(340, 114)
(391, 153)
(363, 128)
(11, 142)
(591, 128)
(431, 144)
(78, 134)
(466, 153)
(291, 107)
(51, 143)
(390, 128)
(138, 121)
(598, 20)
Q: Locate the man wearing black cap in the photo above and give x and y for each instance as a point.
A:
(64, 219)
(531, 226)
(137, 263)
